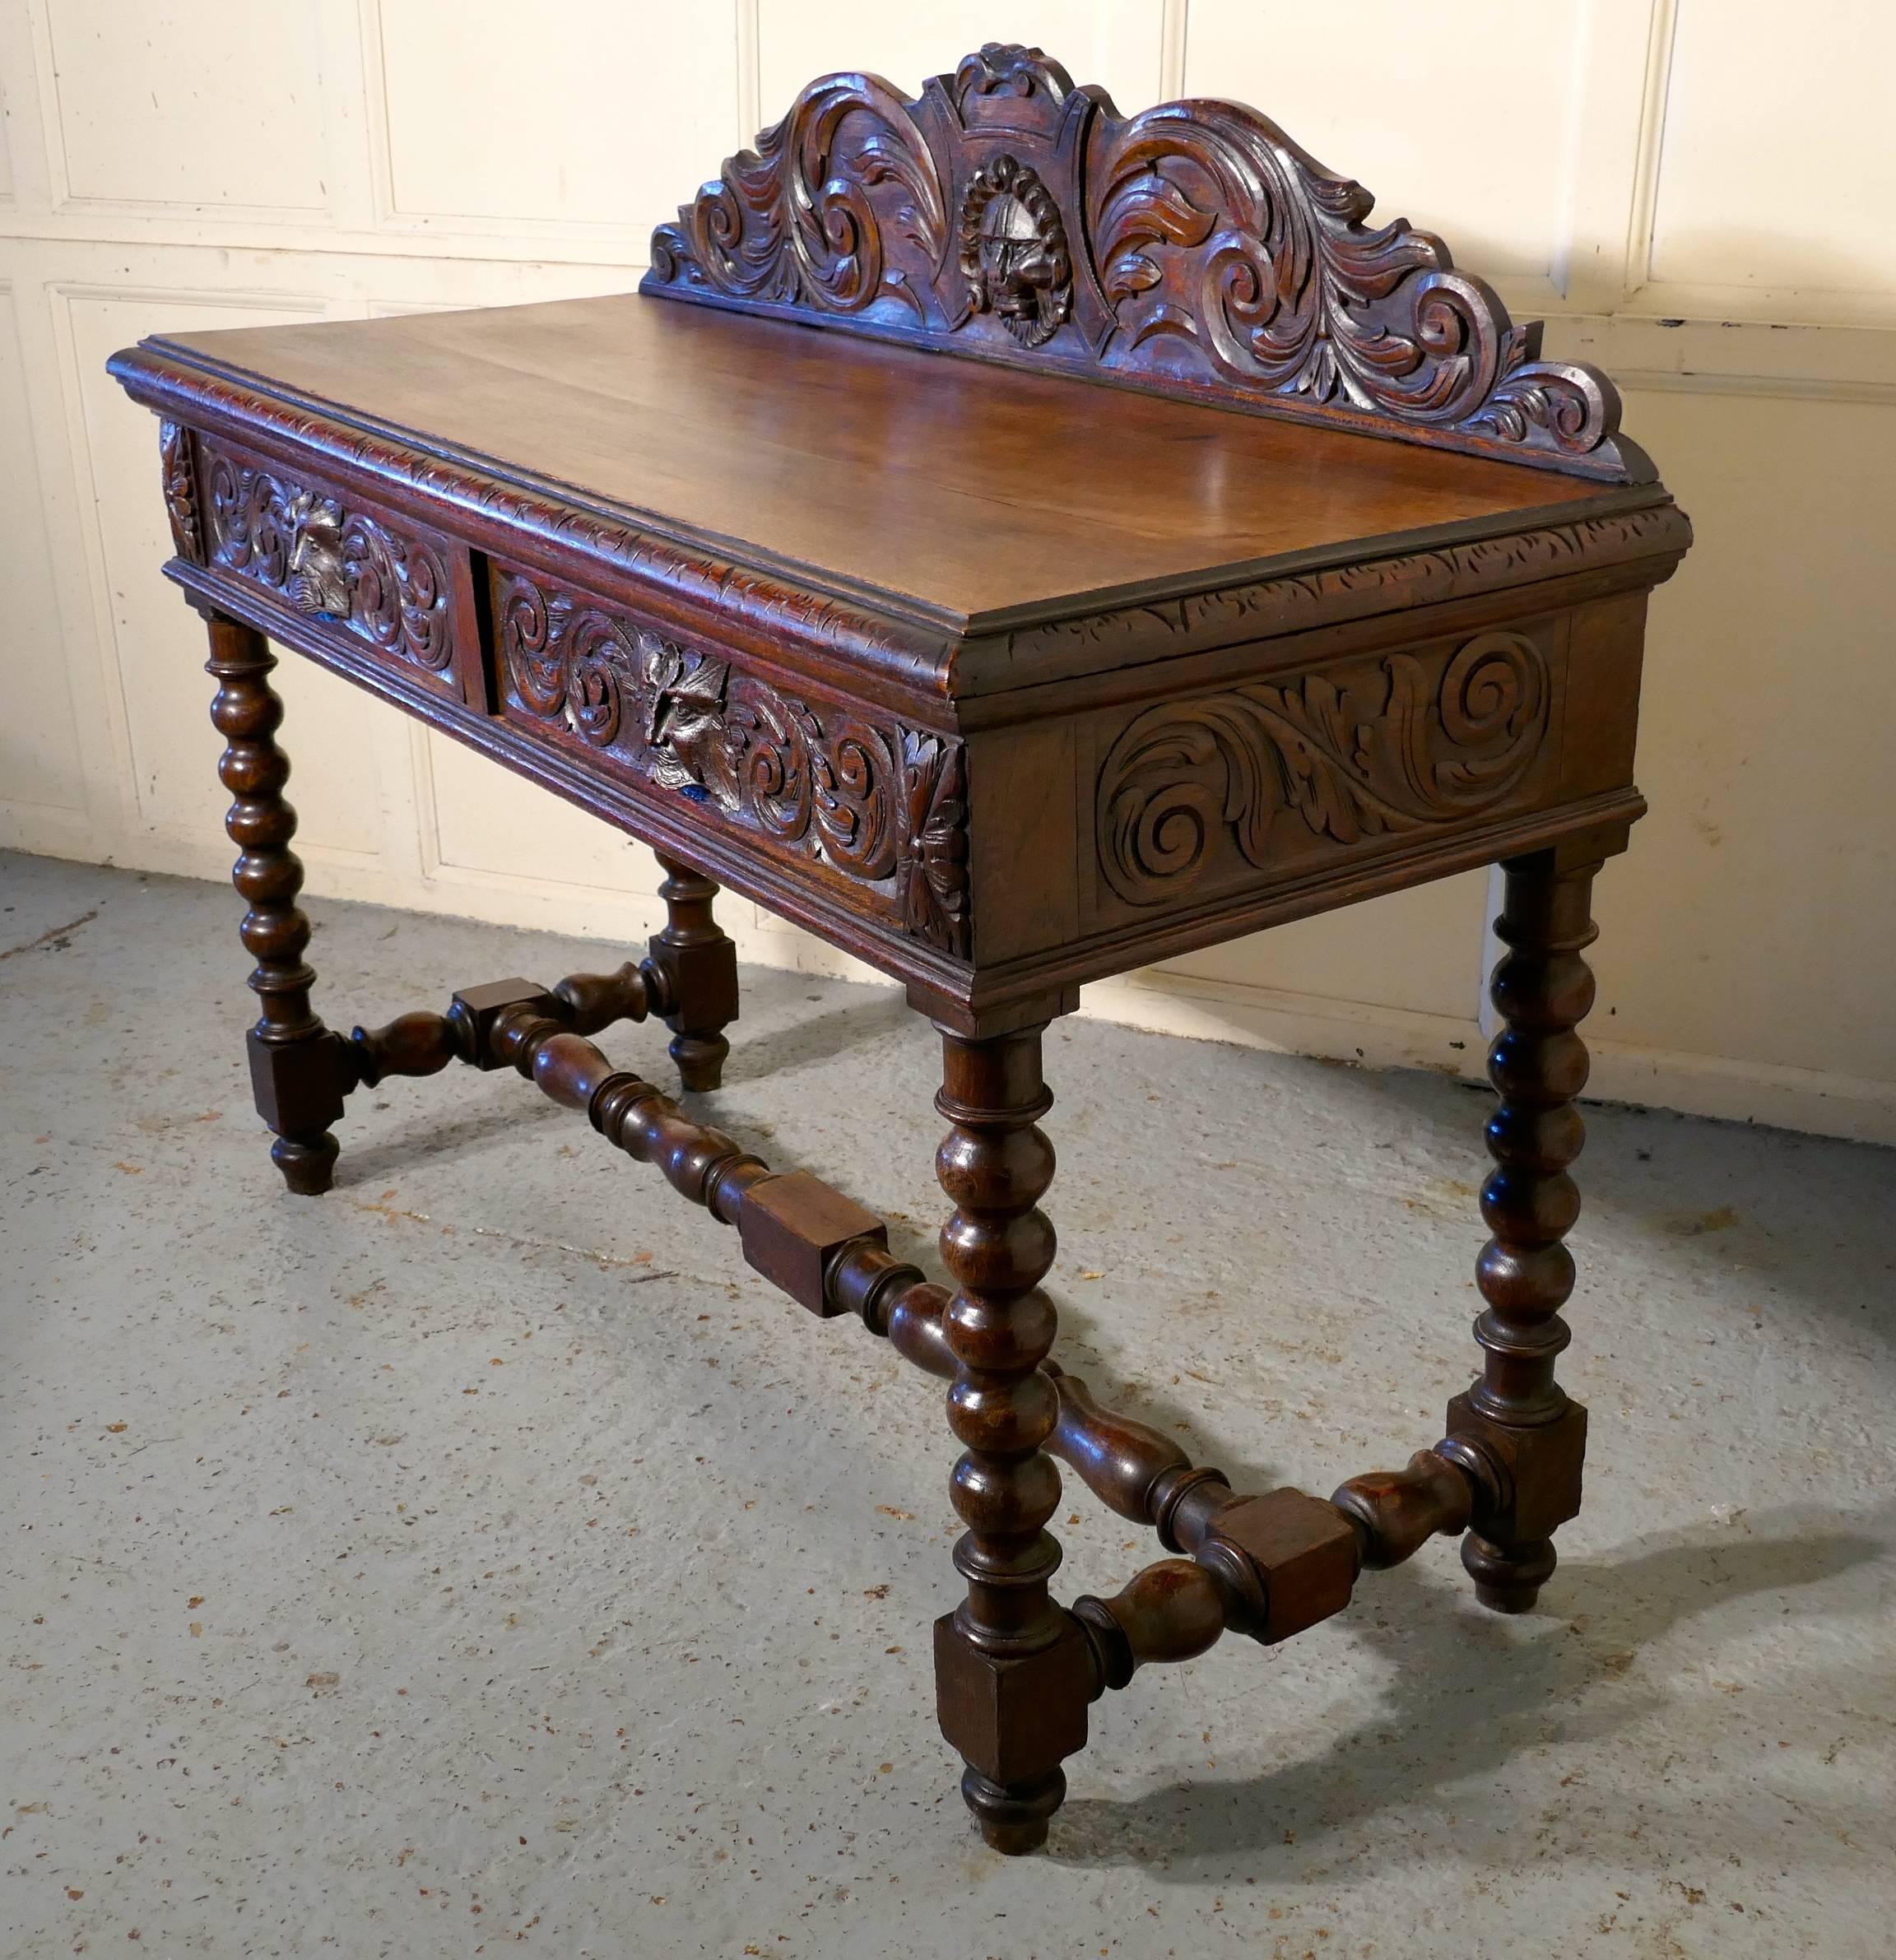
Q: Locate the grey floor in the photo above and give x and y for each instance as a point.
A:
(480, 1555)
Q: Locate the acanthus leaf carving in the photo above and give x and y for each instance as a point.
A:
(935, 861)
(1363, 750)
(1199, 224)
(792, 223)
(180, 474)
(874, 803)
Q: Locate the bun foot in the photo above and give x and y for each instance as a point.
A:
(700, 1061)
(1508, 1579)
(1013, 1816)
(306, 1162)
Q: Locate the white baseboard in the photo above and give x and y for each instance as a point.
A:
(48, 830)
(1739, 1091)
(1745, 1092)
(1289, 1023)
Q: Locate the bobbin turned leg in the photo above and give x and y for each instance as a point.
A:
(1525, 1440)
(1011, 1668)
(296, 1067)
(699, 967)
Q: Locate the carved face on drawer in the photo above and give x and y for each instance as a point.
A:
(317, 582)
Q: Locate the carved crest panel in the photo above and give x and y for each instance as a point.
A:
(388, 588)
(881, 804)
(1211, 791)
(1193, 250)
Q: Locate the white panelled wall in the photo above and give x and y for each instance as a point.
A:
(1691, 195)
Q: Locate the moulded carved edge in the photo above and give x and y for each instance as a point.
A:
(1261, 608)
(160, 378)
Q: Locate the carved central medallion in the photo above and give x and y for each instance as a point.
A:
(1014, 253)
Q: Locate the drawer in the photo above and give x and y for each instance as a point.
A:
(397, 591)
(840, 792)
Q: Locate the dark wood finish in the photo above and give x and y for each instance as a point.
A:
(795, 1228)
(1289, 1558)
(1007, 1660)
(1150, 664)
(293, 1057)
(1173, 1610)
(1517, 1415)
(695, 965)
(697, 436)
(1194, 250)
(1002, 681)
(1396, 1512)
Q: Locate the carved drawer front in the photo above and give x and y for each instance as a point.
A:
(387, 587)
(1269, 781)
(875, 811)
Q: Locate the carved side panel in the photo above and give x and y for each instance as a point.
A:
(391, 589)
(878, 809)
(175, 446)
(1193, 250)
(1220, 793)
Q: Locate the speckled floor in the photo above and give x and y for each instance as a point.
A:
(482, 1556)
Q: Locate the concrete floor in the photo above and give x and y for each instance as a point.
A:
(482, 1555)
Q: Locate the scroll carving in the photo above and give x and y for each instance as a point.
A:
(329, 562)
(1192, 250)
(791, 222)
(884, 805)
(1361, 750)
(180, 489)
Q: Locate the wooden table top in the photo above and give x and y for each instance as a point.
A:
(975, 492)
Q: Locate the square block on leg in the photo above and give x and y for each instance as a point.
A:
(1012, 1717)
(700, 979)
(793, 1225)
(299, 1085)
(475, 1010)
(1539, 1465)
(1304, 1551)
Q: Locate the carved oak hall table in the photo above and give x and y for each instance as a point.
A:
(1251, 564)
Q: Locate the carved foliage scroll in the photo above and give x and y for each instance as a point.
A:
(1362, 750)
(334, 564)
(1193, 249)
(180, 489)
(881, 804)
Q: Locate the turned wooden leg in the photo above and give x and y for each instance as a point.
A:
(698, 966)
(296, 1066)
(1521, 1435)
(1012, 1672)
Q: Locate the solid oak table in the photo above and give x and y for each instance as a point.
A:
(1252, 565)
